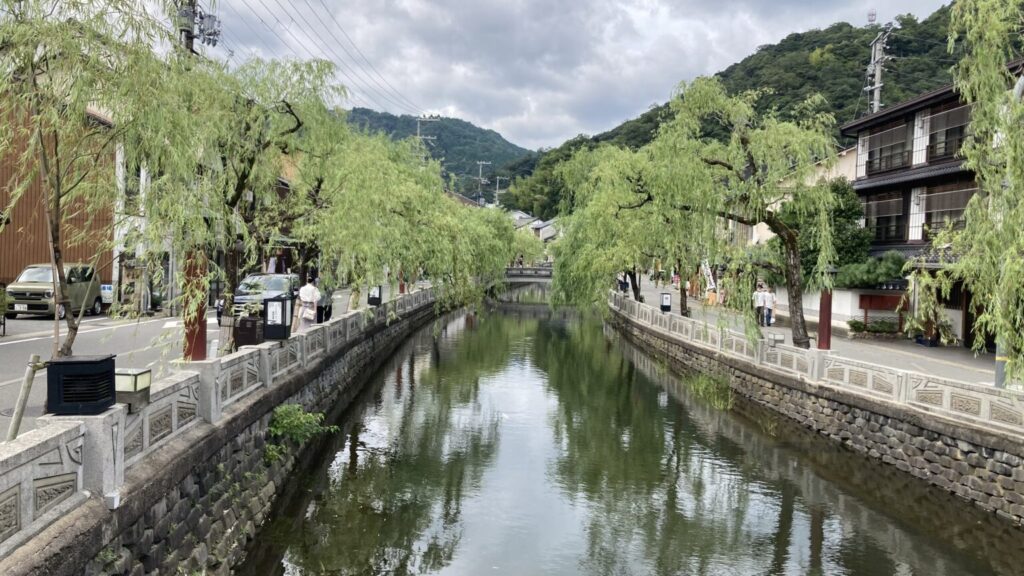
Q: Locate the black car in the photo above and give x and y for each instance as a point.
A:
(256, 288)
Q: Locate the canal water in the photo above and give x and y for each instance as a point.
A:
(526, 442)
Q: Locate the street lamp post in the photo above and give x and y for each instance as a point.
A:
(825, 313)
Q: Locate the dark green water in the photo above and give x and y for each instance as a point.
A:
(512, 443)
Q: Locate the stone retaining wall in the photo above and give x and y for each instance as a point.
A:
(980, 465)
(191, 504)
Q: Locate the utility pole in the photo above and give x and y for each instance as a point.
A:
(497, 185)
(874, 72)
(193, 22)
(419, 136)
(480, 180)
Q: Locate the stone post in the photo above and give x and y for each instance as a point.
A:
(102, 451)
(209, 388)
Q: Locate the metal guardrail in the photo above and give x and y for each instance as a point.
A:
(977, 404)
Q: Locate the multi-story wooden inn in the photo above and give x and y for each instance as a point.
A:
(912, 181)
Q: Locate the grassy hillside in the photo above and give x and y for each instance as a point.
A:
(830, 62)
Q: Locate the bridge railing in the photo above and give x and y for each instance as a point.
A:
(49, 471)
(987, 406)
(537, 271)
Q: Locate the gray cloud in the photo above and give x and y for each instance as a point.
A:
(538, 71)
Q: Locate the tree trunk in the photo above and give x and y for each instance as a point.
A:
(795, 290)
(684, 306)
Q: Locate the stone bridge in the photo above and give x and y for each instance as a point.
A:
(539, 274)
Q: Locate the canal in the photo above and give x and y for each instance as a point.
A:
(524, 442)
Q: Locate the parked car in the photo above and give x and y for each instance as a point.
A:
(32, 293)
(255, 288)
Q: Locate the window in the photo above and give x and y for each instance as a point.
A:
(944, 205)
(883, 215)
(888, 148)
(947, 130)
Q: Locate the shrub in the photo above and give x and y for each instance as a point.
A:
(883, 327)
(291, 422)
(856, 326)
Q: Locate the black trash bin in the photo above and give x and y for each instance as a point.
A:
(374, 297)
(277, 317)
(80, 385)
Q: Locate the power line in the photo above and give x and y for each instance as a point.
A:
(341, 62)
(364, 58)
(284, 43)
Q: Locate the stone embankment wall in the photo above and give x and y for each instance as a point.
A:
(195, 481)
(981, 464)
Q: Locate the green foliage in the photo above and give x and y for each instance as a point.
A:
(883, 327)
(527, 245)
(857, 326)
(292, 423)
(850, 240)
(872, 271)
(714, 390)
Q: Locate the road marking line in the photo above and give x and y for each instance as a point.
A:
(128, 353)
(82, 332)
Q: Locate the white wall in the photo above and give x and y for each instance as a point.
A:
(922, 129)
(915, 223)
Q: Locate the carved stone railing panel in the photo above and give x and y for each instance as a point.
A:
(336, 336)
(988, 405)
(738, 344)
(286, 357)
(40, 478)
(316, 343)
(862, 377)
(788, 359)
(173, 408)
(240, 373)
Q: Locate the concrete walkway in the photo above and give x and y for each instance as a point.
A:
(956, 363)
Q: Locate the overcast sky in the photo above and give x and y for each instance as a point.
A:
(537, 71)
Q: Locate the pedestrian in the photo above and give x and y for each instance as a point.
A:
(309, 296)
(758, 298)
(769, 306)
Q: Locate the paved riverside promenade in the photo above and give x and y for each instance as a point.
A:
(953, 362)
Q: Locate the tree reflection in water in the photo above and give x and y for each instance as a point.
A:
(395, 498)
(638, 473)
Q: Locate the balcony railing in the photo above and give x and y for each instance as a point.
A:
(888, 162)
(945, 149)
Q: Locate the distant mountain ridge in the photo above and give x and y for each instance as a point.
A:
(458, 143)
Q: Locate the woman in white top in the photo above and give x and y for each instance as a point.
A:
(309, 295)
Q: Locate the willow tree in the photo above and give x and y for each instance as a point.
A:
(720, 160)
(601, 238)
(381, 212)
(985, 253)
(73, 78)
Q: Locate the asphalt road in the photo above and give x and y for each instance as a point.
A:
(153, 343)
(146, 343)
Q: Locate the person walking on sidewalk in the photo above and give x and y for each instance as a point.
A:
(309, 296)
(769, 306)
(758, 298)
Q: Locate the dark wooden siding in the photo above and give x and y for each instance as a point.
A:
(23, 240)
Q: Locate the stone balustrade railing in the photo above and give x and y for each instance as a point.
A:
(539, 271)
(980, 405)
(48, 471)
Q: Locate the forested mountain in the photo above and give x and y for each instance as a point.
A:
(457, 142)
(830, 62)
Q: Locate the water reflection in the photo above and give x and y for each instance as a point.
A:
(517, 445)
